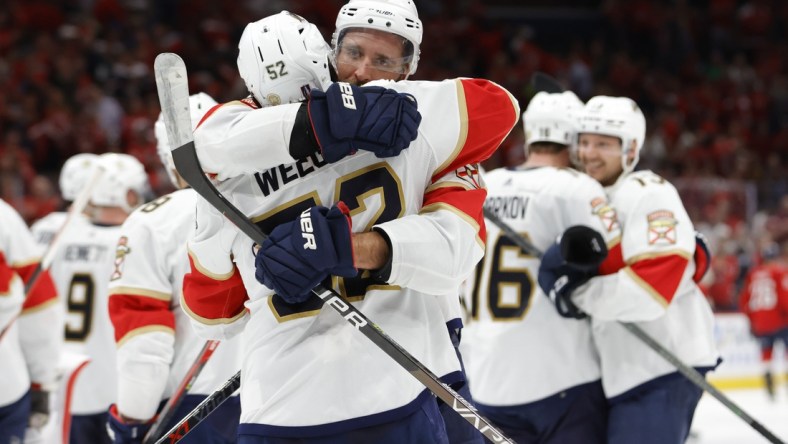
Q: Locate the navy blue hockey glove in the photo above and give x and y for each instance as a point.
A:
(298, 255)
(568, 264)
(347, 118)
(702, 257)
(121, 432)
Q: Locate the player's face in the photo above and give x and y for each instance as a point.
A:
(367, 54)
(601, 157)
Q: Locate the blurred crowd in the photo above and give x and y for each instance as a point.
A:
(711, 76)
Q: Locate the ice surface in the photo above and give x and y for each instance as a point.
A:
(716, 424)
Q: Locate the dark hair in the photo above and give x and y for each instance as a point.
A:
(546, 147)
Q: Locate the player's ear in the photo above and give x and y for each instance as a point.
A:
(631, 152)
(133, 199)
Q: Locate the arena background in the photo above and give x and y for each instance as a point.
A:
(711, 77)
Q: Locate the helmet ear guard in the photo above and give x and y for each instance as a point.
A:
(281, 58)
(617, 117)
(399, 17)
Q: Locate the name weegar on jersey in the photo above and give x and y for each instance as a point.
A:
(298, 360)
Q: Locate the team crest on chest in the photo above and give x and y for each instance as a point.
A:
(605, 213)
(661, 228)
(120, 256)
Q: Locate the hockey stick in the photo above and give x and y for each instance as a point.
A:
(172, 83)
(203, 409)
(542, 82)
(689, 372)
(183, 388)
(76, 208)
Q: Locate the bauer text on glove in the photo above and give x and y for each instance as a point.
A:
(299, 254)
(346, 118)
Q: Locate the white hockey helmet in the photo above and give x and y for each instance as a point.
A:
(552, 118)
(281, 58)
(199, 104)
(618, 117)
(75, 174)
(122, 173)
(398, 17)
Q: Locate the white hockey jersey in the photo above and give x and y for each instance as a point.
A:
(299, 360)
(652, 286)
(29, 347)
(81, 269)
(517, 348)
(156, 343)
(45, 229)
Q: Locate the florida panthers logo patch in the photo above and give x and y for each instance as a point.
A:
(605, 213)
(470, 175)
(661, 228)
(120, 256)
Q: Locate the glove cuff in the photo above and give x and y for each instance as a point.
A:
(342, 235)
(317, 109)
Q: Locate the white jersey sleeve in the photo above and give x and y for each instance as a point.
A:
(438, 248)
(259, 138)
(655, 258)
(210, 245)
(155, 343)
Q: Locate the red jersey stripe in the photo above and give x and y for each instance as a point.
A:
(213, 301)
(614, 260)
(488, 115)
(661, 275)
(131, 312)
(468, 203)
(43, 291)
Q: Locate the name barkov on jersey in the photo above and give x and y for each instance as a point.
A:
(511, 207)
(271, 180)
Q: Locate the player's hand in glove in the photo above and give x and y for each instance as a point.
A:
(347, 118)
(298, 255)
(702, 257)
(122, 432)
(570, 263)
(39, 407)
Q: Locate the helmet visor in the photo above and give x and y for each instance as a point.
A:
(376, 50)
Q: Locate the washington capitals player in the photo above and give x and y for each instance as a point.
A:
(156, 344)
(651, 283)
(532, 372)
(28, 349)
(82, 269)
(381, 402)
(764, 299)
